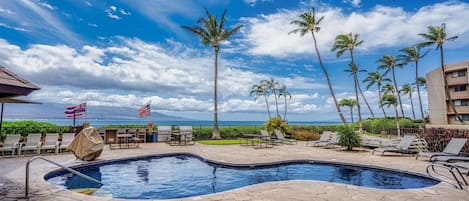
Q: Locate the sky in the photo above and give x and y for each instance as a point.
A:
(121, 54)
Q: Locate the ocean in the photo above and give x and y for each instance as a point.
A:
(195, 123)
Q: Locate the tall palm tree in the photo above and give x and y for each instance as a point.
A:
(412, 54)
(391, 100)
(378, 79)
(349, 102)
(212, 32)
(273, 87)
(309, 22)
(407, 89)
(388, 63)
(353, 70)
(388, 89)
(348, 42)
(261, 90)
(286, 95)
(437, 35)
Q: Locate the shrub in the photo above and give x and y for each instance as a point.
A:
(376, 125)
(304, 134)
(276, 123)
(348, 137)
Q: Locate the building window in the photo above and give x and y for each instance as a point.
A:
(459, 88)
(465, 117)
(458, 73)
(461, 102)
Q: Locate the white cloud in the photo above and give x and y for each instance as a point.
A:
(6, 11)
(114, 13)
(354, 3)
(380, 27)
(14, 28)
(45, 5)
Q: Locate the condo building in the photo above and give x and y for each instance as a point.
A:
(439, 110)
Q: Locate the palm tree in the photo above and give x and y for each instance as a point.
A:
(273, 86)
(437, 35)
(391, 100)
(388, 63)
(407, 89)
(261, 90)
(348, 42)
(309, 22)
(413, 54)
(212, 32)
(349, 102)
(286, 95)
(354, 70)
(378, 79)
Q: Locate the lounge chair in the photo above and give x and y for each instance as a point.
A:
(67, 138)
(265, 139)
(282, 139)
(330, 143)
(33, 142)
(132, 137)
(450, 158)
(51, 142)
(187, 132)
(402, 147)
(324, 138)
(164, 134)
(142, 134)
(10, 143)
(453, 148)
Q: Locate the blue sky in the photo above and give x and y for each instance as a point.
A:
(124, 53)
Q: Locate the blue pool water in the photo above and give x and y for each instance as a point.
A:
(177, 176)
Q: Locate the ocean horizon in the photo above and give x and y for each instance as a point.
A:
(195, 123)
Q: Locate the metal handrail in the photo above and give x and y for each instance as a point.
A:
(57, 164)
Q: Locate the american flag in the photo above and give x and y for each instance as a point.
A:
(75, 110)
(144, 111)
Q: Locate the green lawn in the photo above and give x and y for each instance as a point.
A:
(219, 142)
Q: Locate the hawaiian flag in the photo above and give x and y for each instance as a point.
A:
(144, 111)
(75, 110)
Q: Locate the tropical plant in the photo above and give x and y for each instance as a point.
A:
(348, 102)
(437, 35)
(261, 90)
(348, 137)
(273, 87)
(391, 100)
(348, 42)
(309, 22)
(407, 89)
(287, 96)
(354, 70)
(388, 63)
(412, 54)
(421, 81)
(388, 88)
(213, 32)
(378, 79)
(276, 123)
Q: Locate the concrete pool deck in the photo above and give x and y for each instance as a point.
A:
(12, 175)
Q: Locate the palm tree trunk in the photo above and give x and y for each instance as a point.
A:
(355, 79)
(285, 111)
(275, 97)
(267, 103)
(344, 121)
(397, 91)
(379, 95)
(366, 102)
(397, 122)
(351, 113)
(418, 88)
(412, 104)
(215, 133)
(448, 95)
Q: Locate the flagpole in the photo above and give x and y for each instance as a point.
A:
(74, 117)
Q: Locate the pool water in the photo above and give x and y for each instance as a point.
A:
(177, 176)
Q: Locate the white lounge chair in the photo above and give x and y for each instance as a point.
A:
(324, 138)
(453, 148)
(330, 143)
(67, 138)
(51, 142)
(282, 139)
(33, 142)
(10, 143)
(164, 133)
(187, 132)
(402, 147)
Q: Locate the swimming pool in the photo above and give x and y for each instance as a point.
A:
(185, 175)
